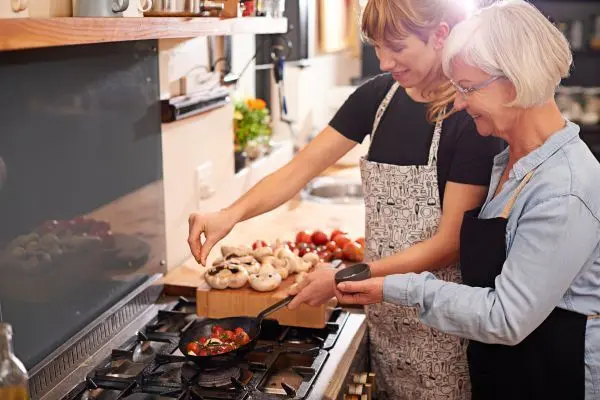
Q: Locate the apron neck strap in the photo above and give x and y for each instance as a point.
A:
(381, 110)
(511, 202)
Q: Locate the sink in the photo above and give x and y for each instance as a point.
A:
(333, 190)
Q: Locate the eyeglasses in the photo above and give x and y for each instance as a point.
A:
(466, 91)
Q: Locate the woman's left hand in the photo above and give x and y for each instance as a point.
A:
(369, 291)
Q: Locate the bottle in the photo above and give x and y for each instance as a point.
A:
(13, 375)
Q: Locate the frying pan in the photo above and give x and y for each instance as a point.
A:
(251, 325)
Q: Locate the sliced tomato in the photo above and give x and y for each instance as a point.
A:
(203, 340)
(202, 353)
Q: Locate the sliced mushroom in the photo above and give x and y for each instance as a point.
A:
(313, 258)
(261, 253)
(265, 282)
(235, 251)
(249, 263)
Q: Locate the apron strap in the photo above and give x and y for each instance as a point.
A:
(435, 143)
(381, 110)
(597, 316)
(511, 202)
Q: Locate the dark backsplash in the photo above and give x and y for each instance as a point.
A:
(80, 139)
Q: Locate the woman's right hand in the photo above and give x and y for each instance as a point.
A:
(214, 226)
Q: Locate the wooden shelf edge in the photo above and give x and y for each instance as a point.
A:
(32, 33)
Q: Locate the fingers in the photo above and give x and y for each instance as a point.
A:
(352, 298)
(205, 249)
(302, 293)
(195, 230)
(353, 287)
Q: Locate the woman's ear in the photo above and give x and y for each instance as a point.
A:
(440, 35)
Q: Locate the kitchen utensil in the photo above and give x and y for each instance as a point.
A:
(194, 6)
(14, 8)
(164, 6)
(251, 325)
(137, 8)
(356, 272)
(99, 8)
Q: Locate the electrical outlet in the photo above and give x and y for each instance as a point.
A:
(204, 181)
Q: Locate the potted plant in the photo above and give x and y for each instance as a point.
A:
(252, 129)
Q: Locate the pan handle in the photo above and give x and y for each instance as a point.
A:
(280, 304)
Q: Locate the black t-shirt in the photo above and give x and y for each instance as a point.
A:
(404, 135)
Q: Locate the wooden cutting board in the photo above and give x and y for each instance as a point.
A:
(249, 302)
(184, 281)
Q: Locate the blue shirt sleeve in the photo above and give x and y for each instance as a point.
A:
(552, 243)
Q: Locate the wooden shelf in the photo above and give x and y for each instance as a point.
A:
(31, 33)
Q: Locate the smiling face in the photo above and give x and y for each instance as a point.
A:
(486, 100)
(410, 60)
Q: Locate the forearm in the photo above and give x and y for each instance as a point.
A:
(437, 252)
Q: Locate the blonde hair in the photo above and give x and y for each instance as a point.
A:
(514, 40)
(389, 20)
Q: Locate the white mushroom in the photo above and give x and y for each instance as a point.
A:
(313, 258)
(283, 252)
(261, 253)
(302, 266)
(239, 277)
(283, 272)
(217, 277)
(266, 269)
(224, 277)
(248, 262)
(235, 251)
(218, 262)
(300, 277)
(275, 262)
(265, 282)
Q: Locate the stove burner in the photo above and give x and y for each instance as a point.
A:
(208, 379)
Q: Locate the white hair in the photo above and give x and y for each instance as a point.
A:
(513, 39)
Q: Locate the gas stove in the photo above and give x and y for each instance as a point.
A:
(285, 363)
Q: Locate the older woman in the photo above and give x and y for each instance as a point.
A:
(530, 257)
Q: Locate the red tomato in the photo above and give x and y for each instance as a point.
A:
(303, 237)
(361, 241)
(337, 254)
(319, 238)
(217, 331)
(326, 256)
(259, 243)
(353, 252)
(238, 330)
(228, 335)
(341, 240)
(331, 246)
(335, 233)
(291, 245)
(193, 347)
(203, 353)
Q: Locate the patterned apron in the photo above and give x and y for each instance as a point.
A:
(411, 360)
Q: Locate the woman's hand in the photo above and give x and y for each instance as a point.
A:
(214, 226)
(369, 291)
(316, 289)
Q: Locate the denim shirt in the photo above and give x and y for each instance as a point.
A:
(553, 255)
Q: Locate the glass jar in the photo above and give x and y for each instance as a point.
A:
(13, 375)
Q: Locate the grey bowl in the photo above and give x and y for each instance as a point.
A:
(357, 272)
